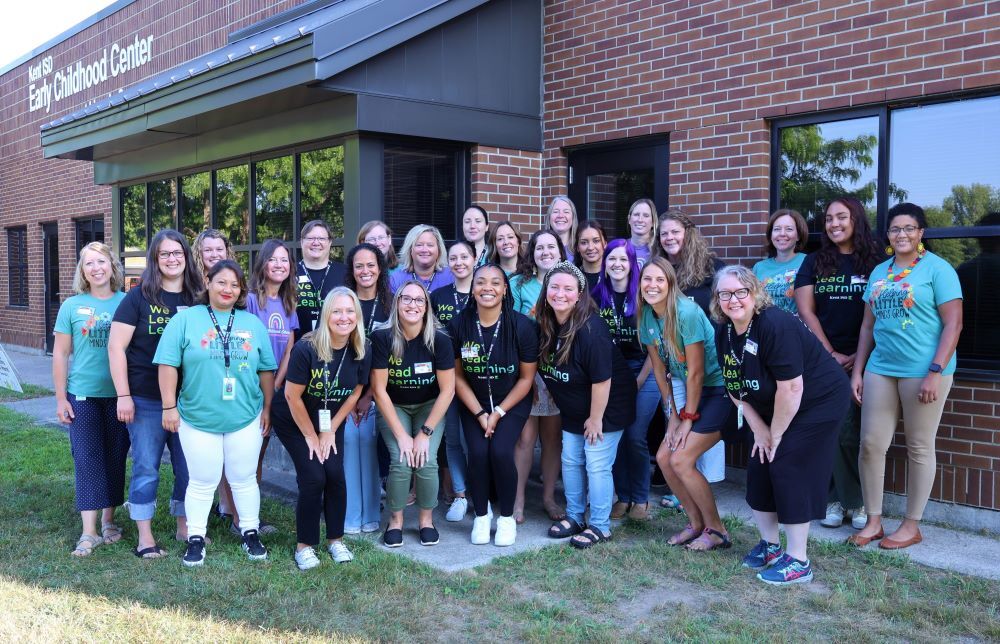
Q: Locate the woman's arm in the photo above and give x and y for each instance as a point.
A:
(279, 378)
(662, 380)
(761, 430)
(525, 380)
(61, 349)
(167, 375)
(593, 427)
(805, 300)
(293, 395)
(787, 399)
(866, 342)
(694, 358)
(421, 442)
(118, 341)
(464, 391)
(328, 440)
(644, 372)
(951, 317)
(378, 380)
(267, 388)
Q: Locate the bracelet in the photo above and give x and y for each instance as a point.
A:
(124, 395)
(480, 413)
(169, 408)
(685, 415)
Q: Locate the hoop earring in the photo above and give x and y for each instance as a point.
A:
(888, 250)
(921, 248)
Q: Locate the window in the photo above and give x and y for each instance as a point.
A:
(162, 204)
(274, 185)
(133, 223)
(420, 187)
(232, 204)
(941, 156)
(196, 204)
(17, 266)
(89, 230)
(321, 187)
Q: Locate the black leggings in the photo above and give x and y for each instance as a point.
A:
(492, 474)
(321, 485)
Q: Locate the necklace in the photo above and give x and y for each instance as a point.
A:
(906, 271)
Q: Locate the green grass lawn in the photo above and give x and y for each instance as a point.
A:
(30, 391)
(634, 588)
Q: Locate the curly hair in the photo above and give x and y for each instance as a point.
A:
(866, 252)
(761, 298)
(695, 262)
(209, 233)
(382, 291)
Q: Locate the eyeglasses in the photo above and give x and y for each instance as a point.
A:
(167, 254)
(376, 240)
(909, 230)
(741, 294)
(316, 240)
(408, 300)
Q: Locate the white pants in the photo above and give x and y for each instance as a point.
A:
(712, 464)
(206, 453)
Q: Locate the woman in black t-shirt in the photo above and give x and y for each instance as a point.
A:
(170, 282)
(496, 351)
(595, 391)
(327, 370)
(413, 378)
(793, 396)
(829, 293)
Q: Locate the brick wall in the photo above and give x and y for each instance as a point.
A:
(507, 183)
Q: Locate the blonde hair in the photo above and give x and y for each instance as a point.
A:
(321, 338)
(670, 317)
(406, 263)
(390, 257)
(761, 298)
(80, 283)
(573, 226)
(695, 261)
(430, 321)
(654, 224)
(209, 233)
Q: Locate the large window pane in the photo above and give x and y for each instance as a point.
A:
(610, 195)
(233, 203)
(978, 264)
(196, 204)
(162, 201)
(322, 187)
(946, 158)
(821, 161)
(273, 199)
(419, 188)
(133, 205)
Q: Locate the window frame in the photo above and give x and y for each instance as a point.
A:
(21, 268)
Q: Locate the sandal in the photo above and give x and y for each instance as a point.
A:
(85, 545)
(671, 502)
(684, 537)
(565, 528)
(554, 511)
(705, 543)
(152, 552)
(111, 533)
(589, 538)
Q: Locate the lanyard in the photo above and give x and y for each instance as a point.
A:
(482, 256)
(465, 300)
(319, 291)
(427, 283)
(619, 319)
(336, 378)
(739, 363)
(223, 337)
(489, 353)
(371, 318)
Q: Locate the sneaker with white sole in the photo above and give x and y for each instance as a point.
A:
(194, 555)
(834, 516)
(859, 518)
(339, 552)
(352, 530)
(457, 510)
(787, 570)
(253, 547)
(306, 558)
(506, 531)
(481, 530)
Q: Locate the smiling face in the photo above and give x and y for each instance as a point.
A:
(653, 285)
(740, 311)
(506, 242)
(590, 246)
(316, 245)
(905, 234)
(378, 237)
(460, 261)
(223, 289)
(562, 294)
(546, 252)
(671, 237)
(617, 266)
(213, 250)
(365, 269)
(412, 304)
(489, 287)
(278, 266)
(425, 252)
(561, 217)
(839, 226)
(784, 234)
(96, 269)
(170, 259)
(343, 317)
(474, 225)
(640, 220)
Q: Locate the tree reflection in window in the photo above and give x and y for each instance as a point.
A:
(133, 205)
(233, 203)
(274, 182)
(162, 201)
(196, 202)
(322, 187)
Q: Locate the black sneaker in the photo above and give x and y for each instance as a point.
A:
(392, 537)
(195, 553)
(429, 536)
(253, 547)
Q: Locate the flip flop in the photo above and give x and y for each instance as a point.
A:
(152, 552)
(85, 545)
(111, 533)
(589, 538)
(705, 539)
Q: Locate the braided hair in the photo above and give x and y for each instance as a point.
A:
(508, 321)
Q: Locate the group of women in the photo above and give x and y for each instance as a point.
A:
(368, 371)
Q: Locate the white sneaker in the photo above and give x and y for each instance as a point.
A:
(860, 518)
(306, 558)
(506, 532)
(340, 552)
(481, 530)
(834, 516)
(458, 509)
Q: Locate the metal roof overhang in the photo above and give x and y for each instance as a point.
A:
(271, 88)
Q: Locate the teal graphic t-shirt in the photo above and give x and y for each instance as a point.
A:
(778, 279)
(907, 323)
(87, 320)
(191, 342)
(692, 326)
(525, 292)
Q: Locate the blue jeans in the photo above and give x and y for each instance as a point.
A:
(455, 448)
(586, 471)
(632, 469)
(148, 440)
(361, 472)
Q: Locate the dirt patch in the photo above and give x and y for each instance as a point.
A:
(665, 593)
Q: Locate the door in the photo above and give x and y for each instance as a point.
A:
(604, 181)
(50, 241)
(89, 230)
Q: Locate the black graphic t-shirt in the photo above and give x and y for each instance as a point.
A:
(311, 286)
(448, 303)
(702, 293)
(149, 321)
(593, 358)
(593, 279)
(374, 315)
(305, 368)
(493, 373)
(781, 347)
(413, 377)
(623, 328)
(840, 302)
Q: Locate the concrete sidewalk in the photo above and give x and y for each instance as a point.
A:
(946, 548)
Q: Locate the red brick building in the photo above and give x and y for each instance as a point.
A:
(409, 111)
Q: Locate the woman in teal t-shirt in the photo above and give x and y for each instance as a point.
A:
(906, 351)
(85, 394)
(787, 234)
(222, 413)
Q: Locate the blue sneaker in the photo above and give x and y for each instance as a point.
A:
(785, 571)
(763, 555)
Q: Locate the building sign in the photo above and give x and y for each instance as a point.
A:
(44, 91)
(8, 374)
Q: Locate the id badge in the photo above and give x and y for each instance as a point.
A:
(739, 416)
(325, 421)
(751, 346)
(470, 353)
(85, 310)
(229, 388)
(423, 367)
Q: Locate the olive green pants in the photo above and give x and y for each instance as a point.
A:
(397, 487)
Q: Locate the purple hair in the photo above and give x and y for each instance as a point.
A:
(603, 292)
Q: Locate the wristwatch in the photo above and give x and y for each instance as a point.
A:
(428, 431)
(935, 368)
(499, 410)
